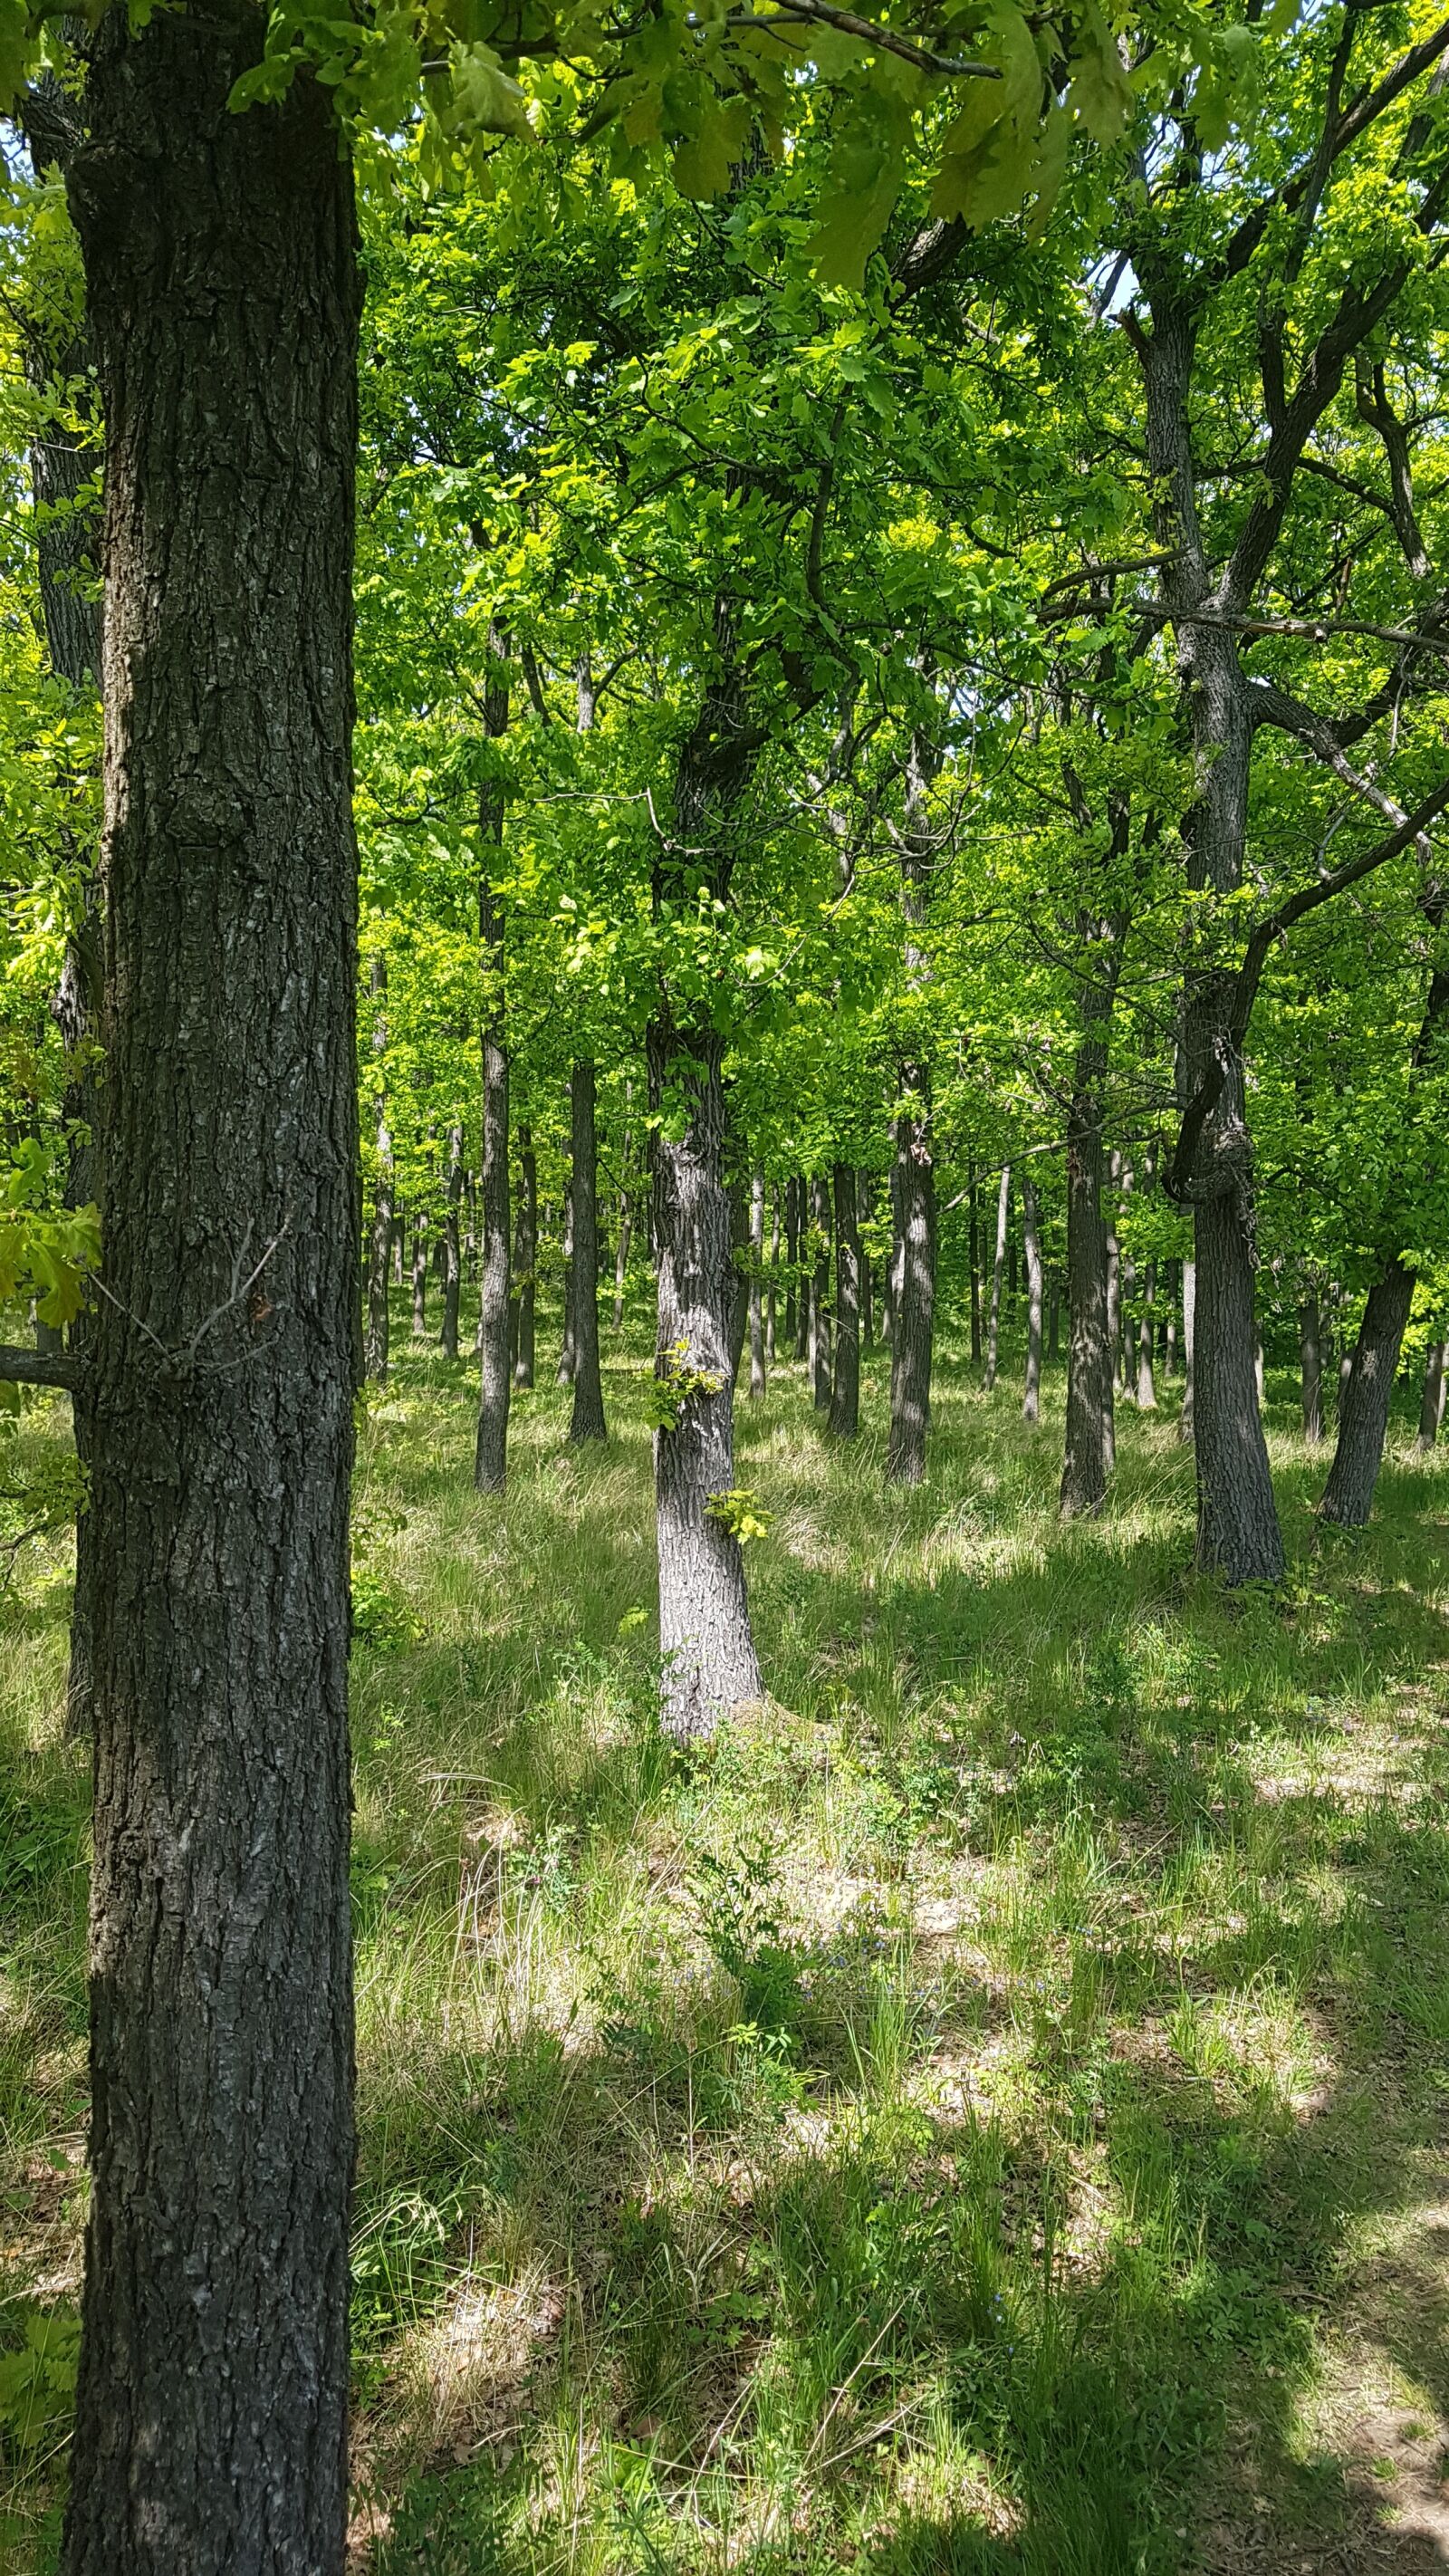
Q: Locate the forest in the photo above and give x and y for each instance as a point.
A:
(724, 1236)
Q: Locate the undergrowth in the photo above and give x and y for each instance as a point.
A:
(957, 2120)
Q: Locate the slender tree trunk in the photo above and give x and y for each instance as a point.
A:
(1054, 1322)
(220, 259)
(1189, 1311)
(1310, 1355)
(757, 1264)
(490, 1457)
(452, 1249)
(792, 1258)
(913, 1323)
(1091, 1426)
(588, 1413)
(1114, 1268)
(379, 1262)
(568, 1347)
(1431, 1411)
(1031, 1404)
(1146, 1383)
(867, 1298)
(739, 1200)
(805, 1288)
(525, 1261)
(820, 1371)
(621, 1253)
(1237, 1519)
(845, 1391)
(1363, 1418)
(420, 1277)
(706, 1646)
(1169, 1320)
(993, 1321)
(774, 1268)
(974, 1258)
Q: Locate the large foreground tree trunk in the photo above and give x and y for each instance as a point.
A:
(587, 1422)
(1363, 1414)
(210, 2433)
(707, 1650)
(845, 1391)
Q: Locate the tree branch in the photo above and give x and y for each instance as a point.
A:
(21, 1367)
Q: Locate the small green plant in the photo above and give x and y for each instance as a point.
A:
(739, 1921)
(674, 1385)
(378, 1615)
(37, 2383)
(741, 1512)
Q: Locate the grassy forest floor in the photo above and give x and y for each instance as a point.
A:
(985, 2114)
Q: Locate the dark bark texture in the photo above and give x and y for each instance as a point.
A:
(452, 1247)
(222, 286)
(1363, 1414)
(820, 1365)
(1431, 1408)
(709, 1661)
(845, 1390)
(1031, 1238)
(587, 1421)
(1310, 1349)
(1091, 1422)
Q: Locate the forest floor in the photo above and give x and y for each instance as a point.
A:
(983, 2116)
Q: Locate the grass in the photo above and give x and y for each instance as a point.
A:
(982, 2114)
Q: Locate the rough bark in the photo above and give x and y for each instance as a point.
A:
(1031, 1402)
(993, 1320)
(220, 259)
(1431, 1409)
(757, 1266)
(844, 1420)
(1363, 1417)
(774, 1273)
(792, 1256)
(452, 1247)
(564, 1374)
(974, 1260)
(1189, 1310)
(587, 1421)
(707, 1650)
(820, 1362)
(524, 1264)
(867, 1294)
(490, 1457)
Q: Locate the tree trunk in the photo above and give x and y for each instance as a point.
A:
(452, 1248)
(588, 1414)
(1310, 1353)
(1363, 1418)
(1169, 1320)
(757, 1265)
(993, 1321)
(1189, 1311)
(490, 1457)
(524, 1266)
(845, 1391)
(220, 257)
(706, 1647)
(792, 1257)
(1091, 1426)
(1031, 1404)
(774, 1269)
(1146, 1383)
(568, 1347)
(805, 1285)
(1431, 1411)
(1114, 1268)
(913, 1323)
(820, 1296)
(1237, 1521)
(420, 1277)
(1054, 1319)
(867, 1300)
(974, 1260)
(738, 1198)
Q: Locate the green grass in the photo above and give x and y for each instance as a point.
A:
(980, 2115)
